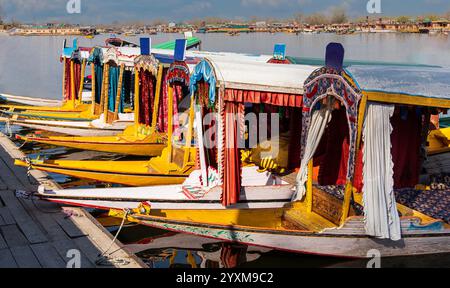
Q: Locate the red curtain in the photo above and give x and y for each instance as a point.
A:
(278, 99)
(406, 141)
(68, 79)
(333, 153)
(232, 164)
(296, 134)
(164, 108)
(146, 97)
(279, 61)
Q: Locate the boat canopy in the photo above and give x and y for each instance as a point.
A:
(419, 81)
(121, 55)
(386, 131)
(284, 81)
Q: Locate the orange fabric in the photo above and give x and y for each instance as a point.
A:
(232, 162)
(278, 99)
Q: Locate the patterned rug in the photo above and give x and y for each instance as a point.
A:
(434, 203)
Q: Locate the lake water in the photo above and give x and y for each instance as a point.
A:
(29, 66)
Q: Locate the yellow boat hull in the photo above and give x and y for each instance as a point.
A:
(439, 141)
(64, 108)
(129, 173)
(121, 144)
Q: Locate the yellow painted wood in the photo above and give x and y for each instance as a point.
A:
(268, 218)
(190, 132)
(119, 93)
(347, 199)
(361, 116)
(80, 91)
(106, 94)
(170, 124)
(407, 99)
(102, 92)
(157, 96)
(151, 145)
(129, 173)
(309, 186)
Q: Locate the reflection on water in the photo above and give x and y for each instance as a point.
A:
(29, 66)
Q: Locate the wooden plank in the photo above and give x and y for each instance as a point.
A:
(6, 259)
(23, 219)
(13, 236)
(51, 234)
(8, 219)
(25, 257)
(63, 246)
(48, 256)
(407, 100)
(2, 242)
(68, 225)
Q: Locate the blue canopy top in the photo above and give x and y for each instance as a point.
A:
(407, 80)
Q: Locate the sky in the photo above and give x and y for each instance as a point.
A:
(109, 11)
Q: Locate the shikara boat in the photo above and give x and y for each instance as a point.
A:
(112, 70)
(357, 138)
(155, 121)
(138, 135)
(29, 101)
(74, 61)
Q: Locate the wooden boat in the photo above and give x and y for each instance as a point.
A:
(138, 173)
(28, 101)
(150, 133)
(114, 68)
(138, 135)
(74, 61)
(263, 208)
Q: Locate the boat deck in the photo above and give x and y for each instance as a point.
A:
(39, 234)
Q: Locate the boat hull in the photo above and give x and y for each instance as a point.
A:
(129, 173)
(115, 144)
(76, 130)
(339, 244)
(30, 101)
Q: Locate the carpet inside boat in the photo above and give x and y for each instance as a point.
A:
(434, 203)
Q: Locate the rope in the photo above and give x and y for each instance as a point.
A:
(107, 260)
(8, 128)
(29, 168)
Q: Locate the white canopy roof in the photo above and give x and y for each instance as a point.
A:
(251, 75)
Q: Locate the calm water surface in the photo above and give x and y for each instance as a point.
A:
(30, 66)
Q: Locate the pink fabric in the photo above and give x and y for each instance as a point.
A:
(278, 99)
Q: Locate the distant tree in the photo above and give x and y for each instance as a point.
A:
(1, 14)
(316, 19)
(299, 17)
(447, 15)
(338, 15)
(403, 19)
(432, 17)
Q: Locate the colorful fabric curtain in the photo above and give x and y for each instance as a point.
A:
(112, 89)
(322, 83)
(163, 109)
(68, 78)
(380, 208)
(319, 121)
(277, 99)
(204, 71)
(406, 145)
(232, 163)
(147, 95)
(96, 58)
